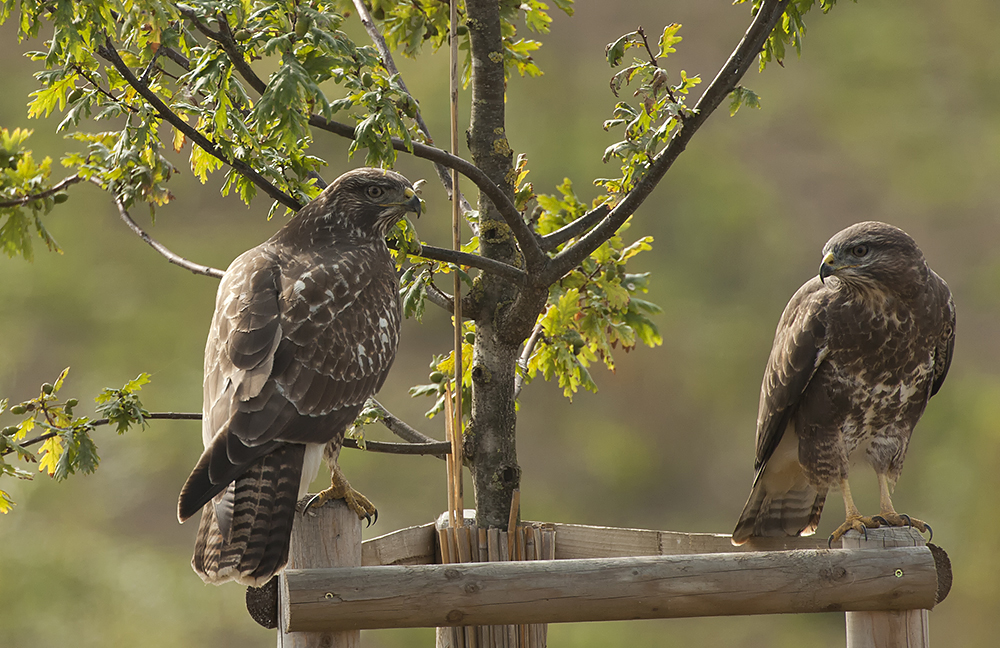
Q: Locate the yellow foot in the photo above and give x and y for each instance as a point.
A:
(858, 523)
(902, 520)
(357, 502)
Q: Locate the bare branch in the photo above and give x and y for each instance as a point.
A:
(437, 448)
(172, 257)
(54, 189)
(440, 298)
(725, 81)
(500, 268)
(110, 54)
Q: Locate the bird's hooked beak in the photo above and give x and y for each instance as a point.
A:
(827, 267)
(413, 202)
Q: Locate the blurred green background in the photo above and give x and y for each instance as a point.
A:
(892, 113)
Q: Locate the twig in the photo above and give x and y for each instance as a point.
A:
(172, 257)
(110, 54)
(390, 67)
(522, 361)
(739, 62)
(440, 298)
(173, 416)
(54, 189)
(656, 63)
(427, 446)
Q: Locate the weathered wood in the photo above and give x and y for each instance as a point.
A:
(417, 546)
(329, 535)
(583, 541)
(732, 583)
(893, 628)
(410, 546)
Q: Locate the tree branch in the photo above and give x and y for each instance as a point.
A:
(110, 54)
(54, 189)
(500, 268)
(390, 66)
(522, 361)
(173, 416)
(725, 81)
(421, 445)
(172, 257)
(522, 233)
(576, 228)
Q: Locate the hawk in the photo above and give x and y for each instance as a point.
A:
(305, 330)
(858, 352)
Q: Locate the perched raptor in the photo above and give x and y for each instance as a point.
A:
(858, 352)
(305, 330)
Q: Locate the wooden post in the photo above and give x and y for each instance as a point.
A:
(889, 629)
(328, 537)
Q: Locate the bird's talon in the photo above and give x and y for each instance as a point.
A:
(881, 520)
(930, 531)
(906, 517)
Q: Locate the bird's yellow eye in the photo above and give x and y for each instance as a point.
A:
(859, 250)
(374, 191)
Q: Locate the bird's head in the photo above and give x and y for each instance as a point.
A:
(870, 254)
(365, 202)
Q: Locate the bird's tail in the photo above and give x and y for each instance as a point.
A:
(789, 512)
(245, 531)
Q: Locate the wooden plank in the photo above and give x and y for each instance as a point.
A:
(550, 591)
(887, 629)
(583, 541)
(328, 535)
(410, 546)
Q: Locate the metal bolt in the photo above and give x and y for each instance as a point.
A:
(329, 595)
(899, 573)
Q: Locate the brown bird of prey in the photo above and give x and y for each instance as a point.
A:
(858, 352)
(305, 330)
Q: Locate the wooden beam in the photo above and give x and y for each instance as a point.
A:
(416, 545)
(410, 546)
(733, 583)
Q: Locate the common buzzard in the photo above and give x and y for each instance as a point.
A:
(305, 330)
(858, 352)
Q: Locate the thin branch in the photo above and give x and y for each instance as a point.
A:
(390, 67)
(172, 257)
(173, 416)
(400, 427)
(54, 189)
(110, 54)
(725, 81)
(656, 63)
(525, 237)
(440, 298)
(522, 361)
(437, 449)
(499, 268)
(576, 228)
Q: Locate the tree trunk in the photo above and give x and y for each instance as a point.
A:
(490, 443)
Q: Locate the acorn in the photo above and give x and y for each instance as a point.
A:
(47, 388)
(436, 377)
